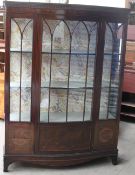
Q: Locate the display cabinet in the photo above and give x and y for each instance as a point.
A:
(64, 69)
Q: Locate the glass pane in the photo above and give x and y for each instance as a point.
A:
(76, 105)
(77, 67)
(58, 103)
(90, 71)
(26, 73)
(114, 89)
(25, 104)
(88, 104)
(106, 75)
(52, 24)
(14, 104)
(59, 70)
(21, 68)
(72, 25)
(21, 27)
(77, 71)
(15, 59)
(45, 70)
(26, 69)
(111, 70)
(15, 42)
(105, 87)
(46, 38)
(92, 27)
(27, 39)
(115, 73)
(112, 104)
(44, 103)
(104, 103)
(108, 40)
(61, 38)
(80, 39)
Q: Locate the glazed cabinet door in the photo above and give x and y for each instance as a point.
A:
(21, 46)
(111, 74)
(106, 128)
(19, 129)
(67, 81)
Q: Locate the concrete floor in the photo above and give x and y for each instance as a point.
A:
(126, 164)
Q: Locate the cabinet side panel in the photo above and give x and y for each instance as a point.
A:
(19, 138)
(65, 137)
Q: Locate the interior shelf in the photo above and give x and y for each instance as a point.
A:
(23, 51)
(57, 116)
(17, 85)
(25, 116)
(78, 53)
(63, 85)
(130, 104)
(65, 52)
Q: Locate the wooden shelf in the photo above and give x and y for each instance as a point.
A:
(128, 114)
(130, 104)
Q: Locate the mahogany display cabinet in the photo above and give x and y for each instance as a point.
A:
(64, 69)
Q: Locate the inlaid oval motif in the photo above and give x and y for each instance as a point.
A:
(20, 142)
(105, 135)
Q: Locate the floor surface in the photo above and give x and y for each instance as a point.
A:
(104, 166)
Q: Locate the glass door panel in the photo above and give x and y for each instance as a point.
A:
(44, 105)
(21, 69)
(61, 38)
(76, 105)
(78, 65)
(88, 104)
(15, 69)
(59, 71)
(67, 70)
(14, 104)
(26, 69)
(80, 38)
(105, 86)
(57, 108)
(111, 72)
(25, 104)
(90, 71)
(45, 70)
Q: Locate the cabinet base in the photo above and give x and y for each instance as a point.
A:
(59, 160)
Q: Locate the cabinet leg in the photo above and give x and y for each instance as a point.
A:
(6, 164)
(114, 160)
